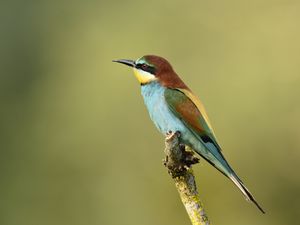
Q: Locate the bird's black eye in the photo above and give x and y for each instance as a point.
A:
(144, 66)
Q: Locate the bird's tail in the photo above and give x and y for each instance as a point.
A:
(249, 197)
(214, 156)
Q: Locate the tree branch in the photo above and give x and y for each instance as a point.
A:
(178, 162)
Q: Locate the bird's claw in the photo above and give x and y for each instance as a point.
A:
(170, 134)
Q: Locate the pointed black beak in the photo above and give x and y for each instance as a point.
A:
(126, 62)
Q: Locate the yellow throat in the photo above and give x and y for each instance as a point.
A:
(143, 76)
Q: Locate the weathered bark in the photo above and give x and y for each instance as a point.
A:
(179, 162)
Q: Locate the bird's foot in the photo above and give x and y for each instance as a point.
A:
(179, 158)
(171, 135)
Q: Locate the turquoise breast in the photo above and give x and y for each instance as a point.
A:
(163, 118)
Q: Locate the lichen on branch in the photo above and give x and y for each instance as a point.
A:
(179, 161)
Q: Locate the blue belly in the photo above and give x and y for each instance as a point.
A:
(163, 118)
(160, 114)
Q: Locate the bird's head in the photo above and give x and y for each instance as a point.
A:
(151, 68)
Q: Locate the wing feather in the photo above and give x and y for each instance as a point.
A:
(188, 107)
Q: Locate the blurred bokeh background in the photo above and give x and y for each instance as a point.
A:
(77, 145)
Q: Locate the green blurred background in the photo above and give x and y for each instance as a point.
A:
(77, 145)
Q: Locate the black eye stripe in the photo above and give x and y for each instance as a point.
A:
(140, 66)
(145, 67)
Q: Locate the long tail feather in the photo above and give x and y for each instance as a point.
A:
(245, 191)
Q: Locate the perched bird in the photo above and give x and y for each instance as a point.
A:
(173, 107)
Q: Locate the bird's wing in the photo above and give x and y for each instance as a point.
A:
(185, 105)
(188, 108)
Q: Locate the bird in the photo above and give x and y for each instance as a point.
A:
(173, 107)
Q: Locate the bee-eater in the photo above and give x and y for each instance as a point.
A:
(173, 107)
